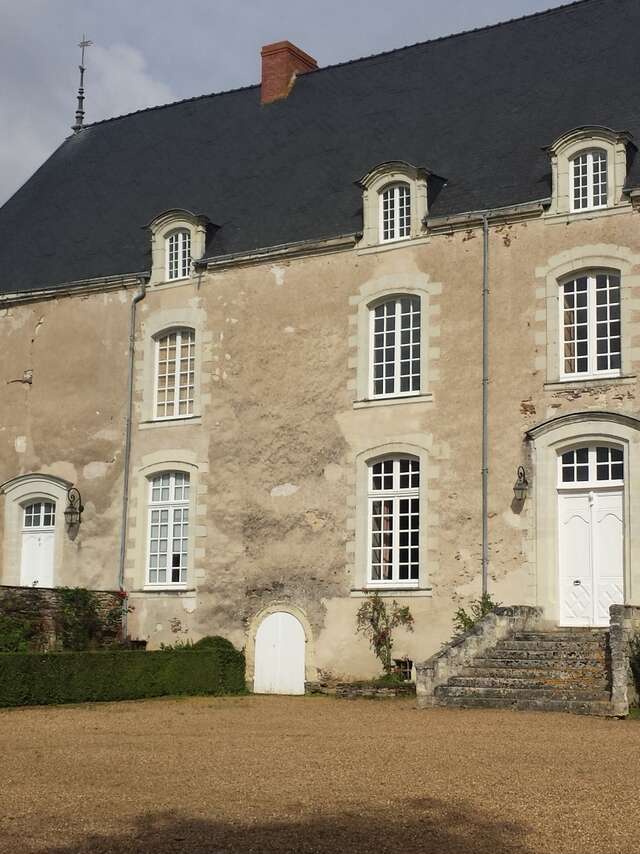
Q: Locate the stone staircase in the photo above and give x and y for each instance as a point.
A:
(558, 670)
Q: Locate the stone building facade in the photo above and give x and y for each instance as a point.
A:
(307, 405)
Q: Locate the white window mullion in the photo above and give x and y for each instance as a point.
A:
(396, 349)
(591, 340)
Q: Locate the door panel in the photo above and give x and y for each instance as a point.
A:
(280, 655)
(37, 559)
(608, 539)
(576, 574)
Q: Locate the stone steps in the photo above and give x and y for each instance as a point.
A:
(578, 707)
(521, 693)
(557, 670)
(540, 681)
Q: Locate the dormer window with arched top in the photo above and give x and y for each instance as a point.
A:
(395, 212)
(178, 238)
(178, 254)
(394, 203)
(589, 170)
(589, 179)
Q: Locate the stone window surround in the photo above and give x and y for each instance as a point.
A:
(547, 440)
(359, 573)
(161, 227)
(377, 291)
(138, 530)
(374, 182)
(567, 146)
(18, 492)
(156, 324)
(565, 266)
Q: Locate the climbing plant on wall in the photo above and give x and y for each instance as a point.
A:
(377, 623)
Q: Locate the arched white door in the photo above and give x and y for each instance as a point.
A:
(279, 656)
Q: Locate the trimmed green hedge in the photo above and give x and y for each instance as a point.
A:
(32, 679)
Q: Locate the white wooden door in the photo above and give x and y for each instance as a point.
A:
(591, 539)
(38, 541)
(280, 656)
(37, 559)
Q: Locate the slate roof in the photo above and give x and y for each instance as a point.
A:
(476, 108)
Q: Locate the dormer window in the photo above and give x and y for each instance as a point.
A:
(589, 179)
(395, 212)
(178, 251)
(589, 170)
(394, 203)
(178, 238)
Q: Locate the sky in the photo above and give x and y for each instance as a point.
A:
(149, 52)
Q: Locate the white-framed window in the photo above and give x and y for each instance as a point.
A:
(175, 373)
(395, 212)
(178, 254)
(590, 326)
(40, 514)
(592, 465)
(168, 531)
(395, 347)
(589, 180)
(394, 522)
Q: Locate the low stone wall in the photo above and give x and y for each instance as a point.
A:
(624, 625)
(353, 690)
(453, 656)
(42, 604)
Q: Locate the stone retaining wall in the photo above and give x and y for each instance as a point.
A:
(624, 626)
(42, 604)
(371, 690)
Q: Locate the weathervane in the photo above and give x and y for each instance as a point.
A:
(80, 111)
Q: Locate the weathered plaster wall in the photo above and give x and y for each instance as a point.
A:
(276, 441)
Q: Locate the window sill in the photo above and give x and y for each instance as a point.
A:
(407, 592)
(392, 401)
(393, 244)
(596, 382)
(164, 588)
(170, 422)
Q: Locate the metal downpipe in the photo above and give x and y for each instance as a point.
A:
(138, 296)
(485, 405)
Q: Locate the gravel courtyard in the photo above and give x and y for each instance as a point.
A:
(261, 774)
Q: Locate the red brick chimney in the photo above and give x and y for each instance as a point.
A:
(281, 64)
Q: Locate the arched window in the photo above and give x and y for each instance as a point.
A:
(590, 323)
(175, 373)
(394, 522)
(395, 347)
(168, 532)
(395, 212)
(178, 254)
(589, 179)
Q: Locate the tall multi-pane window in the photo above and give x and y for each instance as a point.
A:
(394, 522)
(178, 247)
(589, 180)
(395, 212)
(590, 323)
(175, 373)
(395, 347)
(168, 528)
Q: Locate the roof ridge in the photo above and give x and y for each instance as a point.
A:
(554, 10)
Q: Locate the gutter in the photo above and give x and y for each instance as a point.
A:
(137, 297)
(511, 213)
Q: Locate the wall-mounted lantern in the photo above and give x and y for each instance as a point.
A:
(521, 486)
(74, 508)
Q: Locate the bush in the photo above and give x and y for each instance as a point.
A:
(377, 623)
(464, 622)
(634, 660)
(28, 679)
